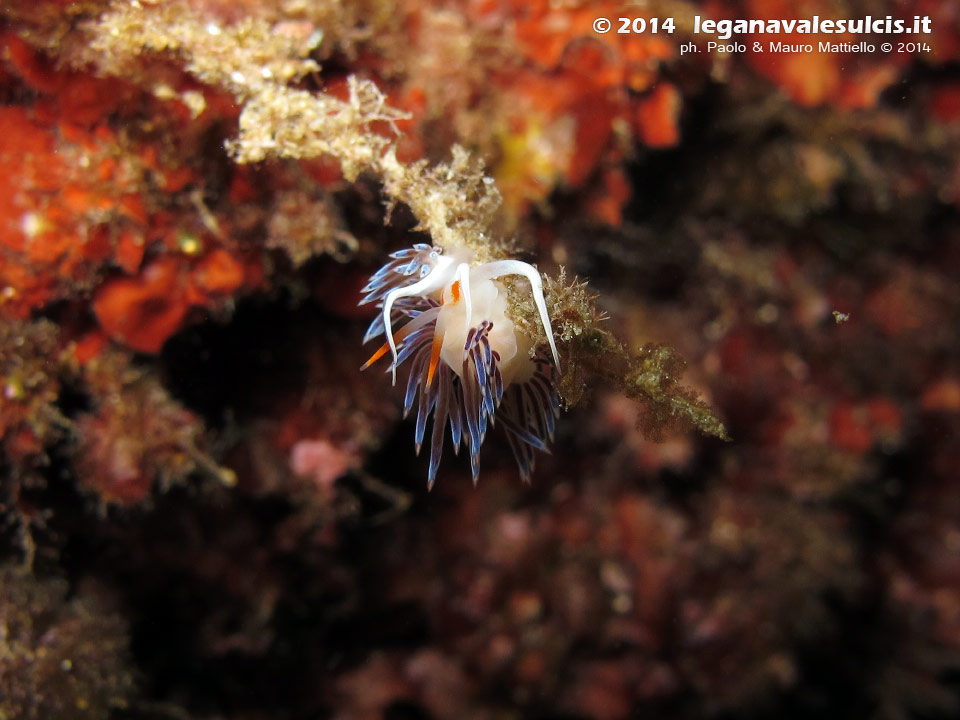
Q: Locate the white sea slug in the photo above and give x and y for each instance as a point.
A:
(471, 365)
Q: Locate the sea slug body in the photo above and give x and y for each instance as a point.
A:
(469, 362)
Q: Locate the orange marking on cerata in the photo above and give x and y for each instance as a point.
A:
(434, 358)
(376, 356)
(382, 350)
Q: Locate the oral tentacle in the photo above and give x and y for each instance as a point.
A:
(403, 333)
(497, 269)
(398, 272)
(463, 276)
(403, 308)
(429, 284)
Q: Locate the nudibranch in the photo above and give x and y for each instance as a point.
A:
(470, 363)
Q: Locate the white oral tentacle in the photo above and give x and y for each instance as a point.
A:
(463, 276)
(434, 281)
(516, 267)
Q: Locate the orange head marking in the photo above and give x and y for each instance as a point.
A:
(454, 296)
